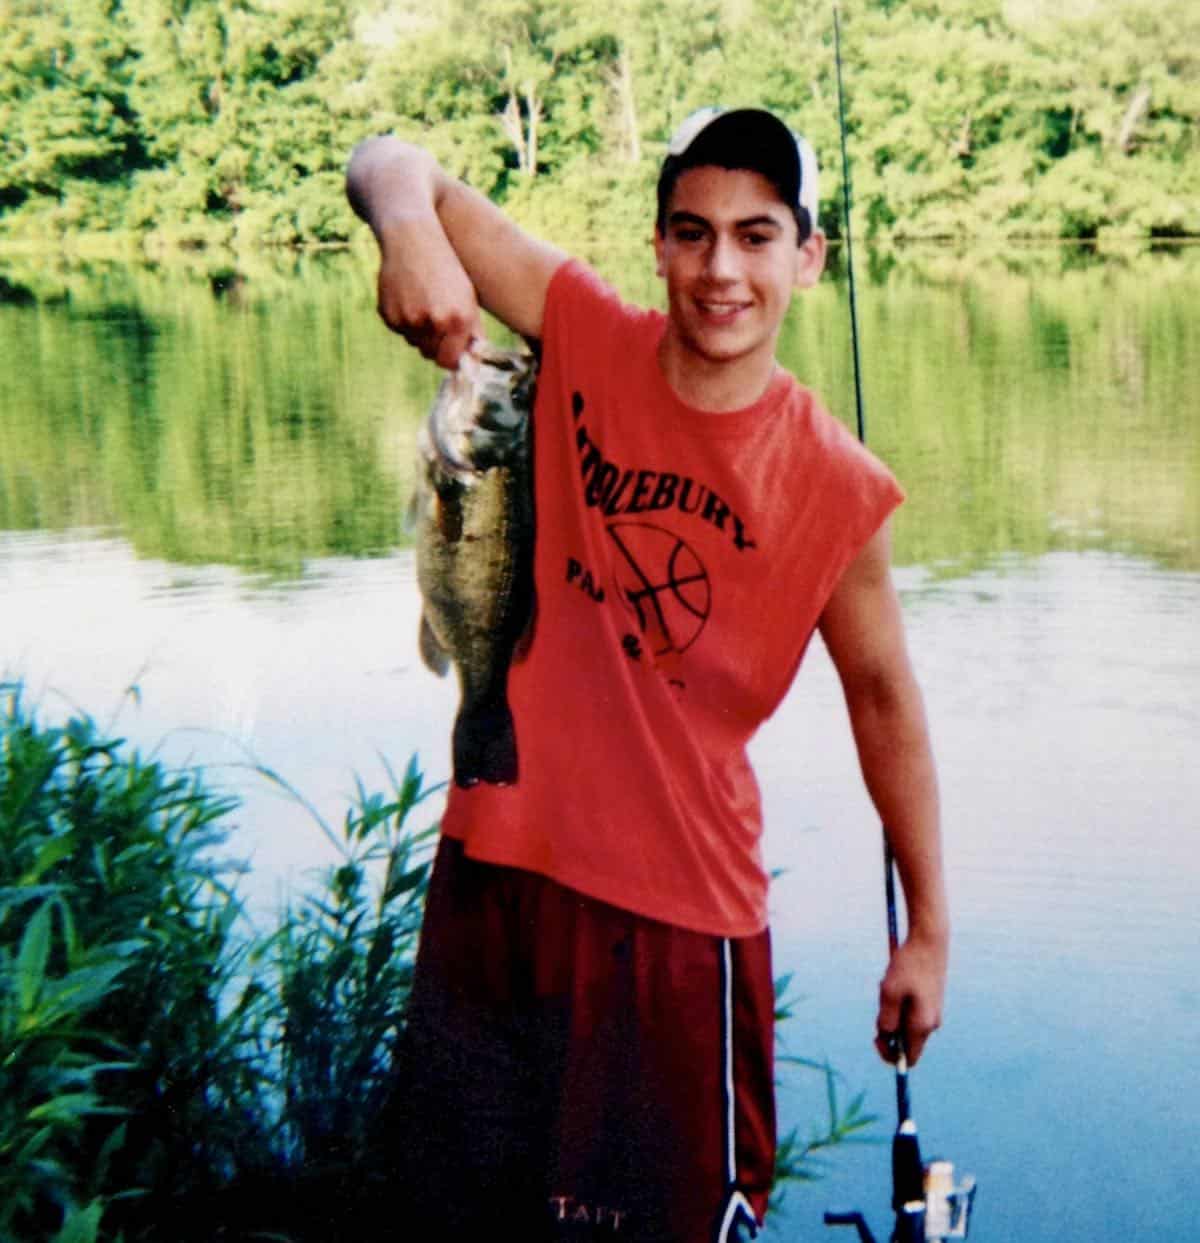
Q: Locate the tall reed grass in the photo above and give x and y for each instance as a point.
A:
(167, 1072)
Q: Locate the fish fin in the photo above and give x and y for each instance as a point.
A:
(412, 512)
(525, 641)
(433, 654)
(485, 744)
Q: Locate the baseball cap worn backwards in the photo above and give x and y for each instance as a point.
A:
(744, 138)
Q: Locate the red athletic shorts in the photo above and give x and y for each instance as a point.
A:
(575, 1072)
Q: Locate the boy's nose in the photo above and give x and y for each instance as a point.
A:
(722, 259)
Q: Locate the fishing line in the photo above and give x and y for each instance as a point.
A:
(858, 397)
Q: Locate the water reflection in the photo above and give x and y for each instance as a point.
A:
(262, 418)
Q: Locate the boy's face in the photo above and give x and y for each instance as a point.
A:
(730, 260)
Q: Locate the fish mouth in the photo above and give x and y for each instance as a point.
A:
(467, 452)
(447, 456)
(452, 441)
(479, 426)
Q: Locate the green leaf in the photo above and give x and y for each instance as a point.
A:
(380, 952)
(32, 958)
(86, 986)
(69, 1108)
(410, 791)
(81, 1225)
(405, 882)
(55, 850)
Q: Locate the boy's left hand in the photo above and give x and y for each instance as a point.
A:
(910, 997)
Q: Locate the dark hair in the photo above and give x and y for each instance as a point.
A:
(674, 168)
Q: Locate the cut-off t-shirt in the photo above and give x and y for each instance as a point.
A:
(682, 562)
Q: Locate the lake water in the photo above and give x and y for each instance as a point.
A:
(203, 475)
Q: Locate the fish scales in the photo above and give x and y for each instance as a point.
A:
(474, 533)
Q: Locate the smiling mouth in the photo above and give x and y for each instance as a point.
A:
(712, 309)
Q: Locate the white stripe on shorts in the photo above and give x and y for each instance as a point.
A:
(727, 1052)
(736, 1205)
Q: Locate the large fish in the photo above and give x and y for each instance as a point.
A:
(473, 512)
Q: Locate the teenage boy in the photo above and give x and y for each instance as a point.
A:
(590, 1043)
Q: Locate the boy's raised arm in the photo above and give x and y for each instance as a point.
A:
(445, 250)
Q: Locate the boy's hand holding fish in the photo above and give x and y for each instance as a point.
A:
(424, 293)
(437, 265)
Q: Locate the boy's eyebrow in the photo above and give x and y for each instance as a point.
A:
(757, 222)
(687, 217)
(751, 222)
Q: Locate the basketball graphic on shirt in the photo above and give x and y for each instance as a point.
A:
(663, 583)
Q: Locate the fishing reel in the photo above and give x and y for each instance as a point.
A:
(943, 1210)
(929, 1205)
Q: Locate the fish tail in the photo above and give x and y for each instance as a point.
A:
(485, 744)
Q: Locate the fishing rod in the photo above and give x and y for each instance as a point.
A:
(858, 397)
(928, 1205)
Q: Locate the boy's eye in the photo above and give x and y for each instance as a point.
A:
(756, 239)
(688, 234)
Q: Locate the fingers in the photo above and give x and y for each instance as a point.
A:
(455, 344)
(441, 342)
(892, 997)
(889, 1044)
(444, 347)
(440, 324)
(909, 1012)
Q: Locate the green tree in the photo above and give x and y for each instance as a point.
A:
(1118, 143)
(236, 114)
(200, 121)
(65, 120)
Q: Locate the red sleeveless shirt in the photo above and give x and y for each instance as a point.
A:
(682, 561)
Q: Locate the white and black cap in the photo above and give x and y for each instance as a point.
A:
(749, 138)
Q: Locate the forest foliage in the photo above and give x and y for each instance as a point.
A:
(201, 122)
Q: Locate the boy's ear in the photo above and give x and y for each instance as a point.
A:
(659, 268)
(811, 260)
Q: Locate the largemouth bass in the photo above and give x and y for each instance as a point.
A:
(473, 511)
